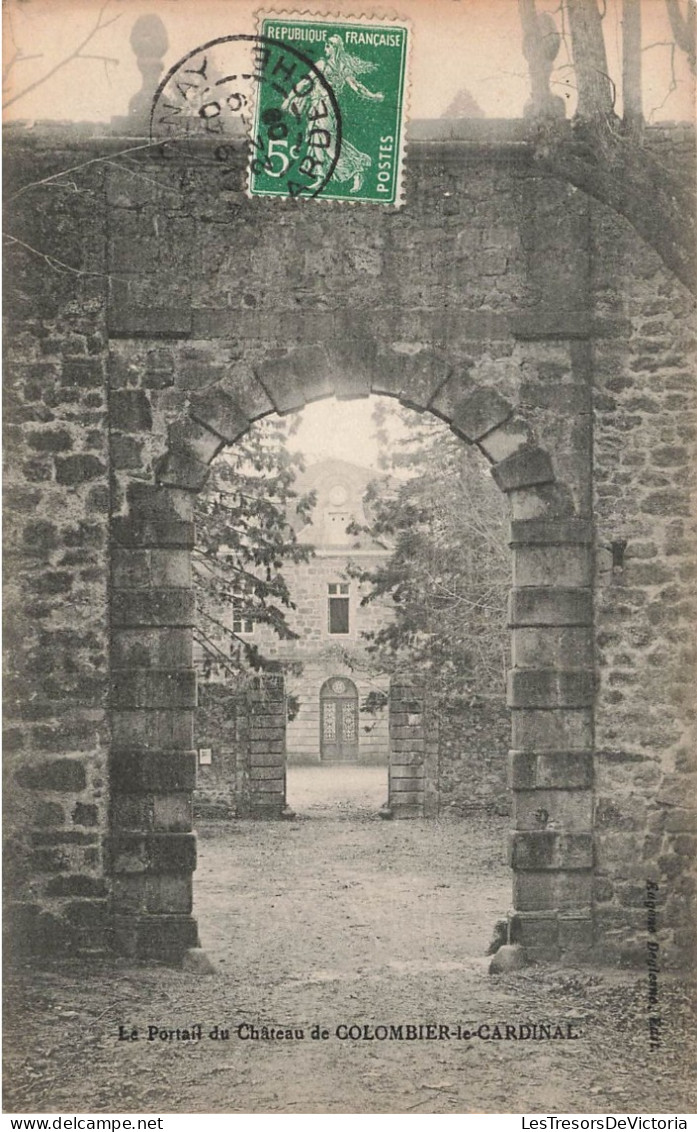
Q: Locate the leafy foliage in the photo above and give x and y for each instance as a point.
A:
(447, 577)
(244, 537)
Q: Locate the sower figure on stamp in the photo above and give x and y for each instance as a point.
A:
(341, 70)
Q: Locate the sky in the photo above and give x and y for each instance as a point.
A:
(340, 430)
(456, 44)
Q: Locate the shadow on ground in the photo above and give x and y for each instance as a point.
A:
(340, 919)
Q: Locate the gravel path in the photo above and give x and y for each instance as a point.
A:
(339, 918)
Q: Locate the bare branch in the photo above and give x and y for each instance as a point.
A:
(684, 29)
(220, 656)
(18, 57)
(84, 165)
(140, 176)
(223, 628)
(53, 262)
(672, 86)
(102, 58)
(100, 25)
(624, 176)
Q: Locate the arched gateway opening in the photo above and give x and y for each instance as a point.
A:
(550, 683)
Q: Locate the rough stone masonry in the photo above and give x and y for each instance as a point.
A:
(155, 311)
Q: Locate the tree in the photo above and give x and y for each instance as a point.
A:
(605, 156)
(244, 537)
(448, 573)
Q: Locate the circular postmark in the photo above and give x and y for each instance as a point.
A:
(254, 87)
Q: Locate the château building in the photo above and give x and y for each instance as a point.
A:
(329, 672)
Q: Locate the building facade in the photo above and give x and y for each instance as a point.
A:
(329, 671)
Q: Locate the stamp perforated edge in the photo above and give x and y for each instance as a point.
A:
(366, 18)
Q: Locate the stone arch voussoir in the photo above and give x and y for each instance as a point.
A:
(424, 379)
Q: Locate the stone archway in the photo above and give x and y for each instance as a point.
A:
(550, 684)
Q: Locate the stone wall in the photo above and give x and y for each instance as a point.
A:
(446, 758)
(645, 608)
(245, 730)
(149, 333)
(56, 501)
(217, 728)
(473, 758)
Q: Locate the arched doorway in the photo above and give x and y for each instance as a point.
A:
(338, 712)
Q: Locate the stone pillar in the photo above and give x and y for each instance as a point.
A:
(413, 767)
(261, 768)
(152, 851)
(550, 692)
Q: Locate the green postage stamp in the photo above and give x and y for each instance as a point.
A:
(330, 109)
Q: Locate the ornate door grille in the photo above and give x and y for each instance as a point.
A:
(339, 721)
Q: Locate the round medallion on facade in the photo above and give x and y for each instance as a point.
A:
(338, 494)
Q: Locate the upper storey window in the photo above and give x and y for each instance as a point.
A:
(338, 599)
